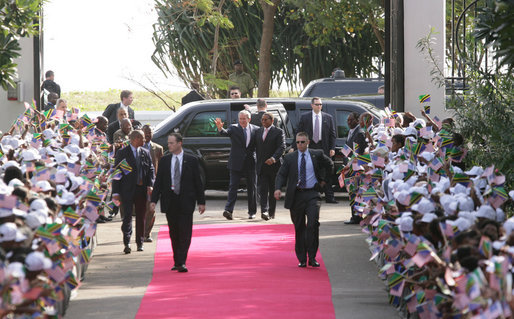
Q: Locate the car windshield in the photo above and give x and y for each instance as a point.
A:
(331, 89)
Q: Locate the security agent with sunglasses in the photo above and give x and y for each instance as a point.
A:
(305, 171)
(321, 129)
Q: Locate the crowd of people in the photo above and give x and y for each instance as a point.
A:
(443, 243)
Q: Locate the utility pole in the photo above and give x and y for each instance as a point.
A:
(395, 78)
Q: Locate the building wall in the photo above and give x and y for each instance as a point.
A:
(9, 110)
(419, 17)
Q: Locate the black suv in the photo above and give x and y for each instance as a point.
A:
(195, 121)
(351, 88)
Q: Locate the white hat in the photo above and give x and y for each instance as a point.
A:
(461, 223)
(424, 206)
(418, 121)
(36, 261)
(468, 215)
(402, 197)
(457, 170)
(76, 181)
(500, 215)
(38, 204)
(67, 198)
(511, 194)
(9, 232)
(15, 182)
(427, 156)
(446, 201)
(486, 211)
(61, 158)
(410, 131)
(465, 203)
(508, 226)
(9, 164)
(44, 186)
(30, 155)
(15, 270)
(5, 212)
(48, 134)
(72, 149)
(428, 218)
(475, 171)
(405, 223)
(397, 131)
(34, 220)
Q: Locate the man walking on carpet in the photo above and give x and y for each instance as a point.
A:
(179, 187)
(305, 171)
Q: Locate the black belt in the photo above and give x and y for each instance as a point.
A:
(298, 189)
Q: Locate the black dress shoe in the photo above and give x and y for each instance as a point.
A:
(313, 262)
(251, 216)
(331, 201)
(265, 216)
(302, 264)
(127, 249)
(351, 222)
(227, 215)
(182, 268)
(175, 267)
(140, 247)
(100, 221)
(148, 240)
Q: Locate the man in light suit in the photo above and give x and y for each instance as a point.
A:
(156, 153)
(111, 110)
(241, 162)
(179, 187)
(356, 139)
(133, 188)
(305, 171)
(321, 129)
(269, 147)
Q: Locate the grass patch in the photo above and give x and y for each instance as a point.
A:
(91, 101)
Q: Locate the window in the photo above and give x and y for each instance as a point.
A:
(342, 123)
(203, 124)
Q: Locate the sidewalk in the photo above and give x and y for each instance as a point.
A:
(115, 283)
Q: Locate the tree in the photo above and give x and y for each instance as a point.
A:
(19, 19)
(186, 40)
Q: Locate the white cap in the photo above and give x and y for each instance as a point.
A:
(424, 206)
(410, 131)
(30, 155)
(76, 181)
(459, 189)
(427, 156)
(461, 223)
(38, 204)
(428, 218)
(468, 215)
(67, 198)
(61, 158)
(446, 201)
(405, 223)
(508, 226)
(475, 171)
(9, 232)
(72, 149)
(500, 215)
(44, 186)
(403, 197)
(36, 261)
(15, 182)
(48, 134)
(486, 211)
(15, 270)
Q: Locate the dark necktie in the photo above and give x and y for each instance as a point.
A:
(176, 177)
(139, 168)
(245, 135)
(303, 172)
(316, 130)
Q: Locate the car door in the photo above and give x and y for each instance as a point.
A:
(201, 137)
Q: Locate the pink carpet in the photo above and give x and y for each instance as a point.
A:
(237, 271)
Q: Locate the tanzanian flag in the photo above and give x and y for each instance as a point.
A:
(424, 98)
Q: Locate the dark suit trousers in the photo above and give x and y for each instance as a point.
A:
(235, 178)
(180, 226)
(266, 192)
(305, 217)
(138, 202)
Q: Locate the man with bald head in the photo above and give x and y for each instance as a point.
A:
(132, 189)
(122, 134)
(116, 125)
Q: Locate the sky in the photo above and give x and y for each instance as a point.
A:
(96, 45)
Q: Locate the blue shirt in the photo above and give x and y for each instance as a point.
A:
(310, 176)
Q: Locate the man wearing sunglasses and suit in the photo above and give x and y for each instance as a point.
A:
(321, 129)
(305, 171)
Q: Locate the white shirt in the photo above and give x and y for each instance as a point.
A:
(180, 159)
(135, 151)
(314, 124)
(266, 131)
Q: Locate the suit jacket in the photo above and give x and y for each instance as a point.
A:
(273, 146)
(191, 186)
(126, 186)
(111, 112)
(119, 135)
(156, 152)
(288, 173)
(328, 131)
(241, 157)
(358, 137)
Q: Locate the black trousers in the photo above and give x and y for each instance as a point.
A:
(180, 224)
(137, 203)
(266, 182)
(305, 217)
(235, 178)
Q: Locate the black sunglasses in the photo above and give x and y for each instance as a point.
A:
(301, 142)
(318, 104)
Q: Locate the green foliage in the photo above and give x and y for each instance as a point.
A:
(301, 51)
(19, 19)
(495, 24)
(485, 117)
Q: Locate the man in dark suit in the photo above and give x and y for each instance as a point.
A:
(179, 187)
(111, 111)
(269, 147)
(156, 153)
(133, 188)
(115, 126)
(356, 139)
(241, 162)
(305, 171)
(262, 107)
(321, 128)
